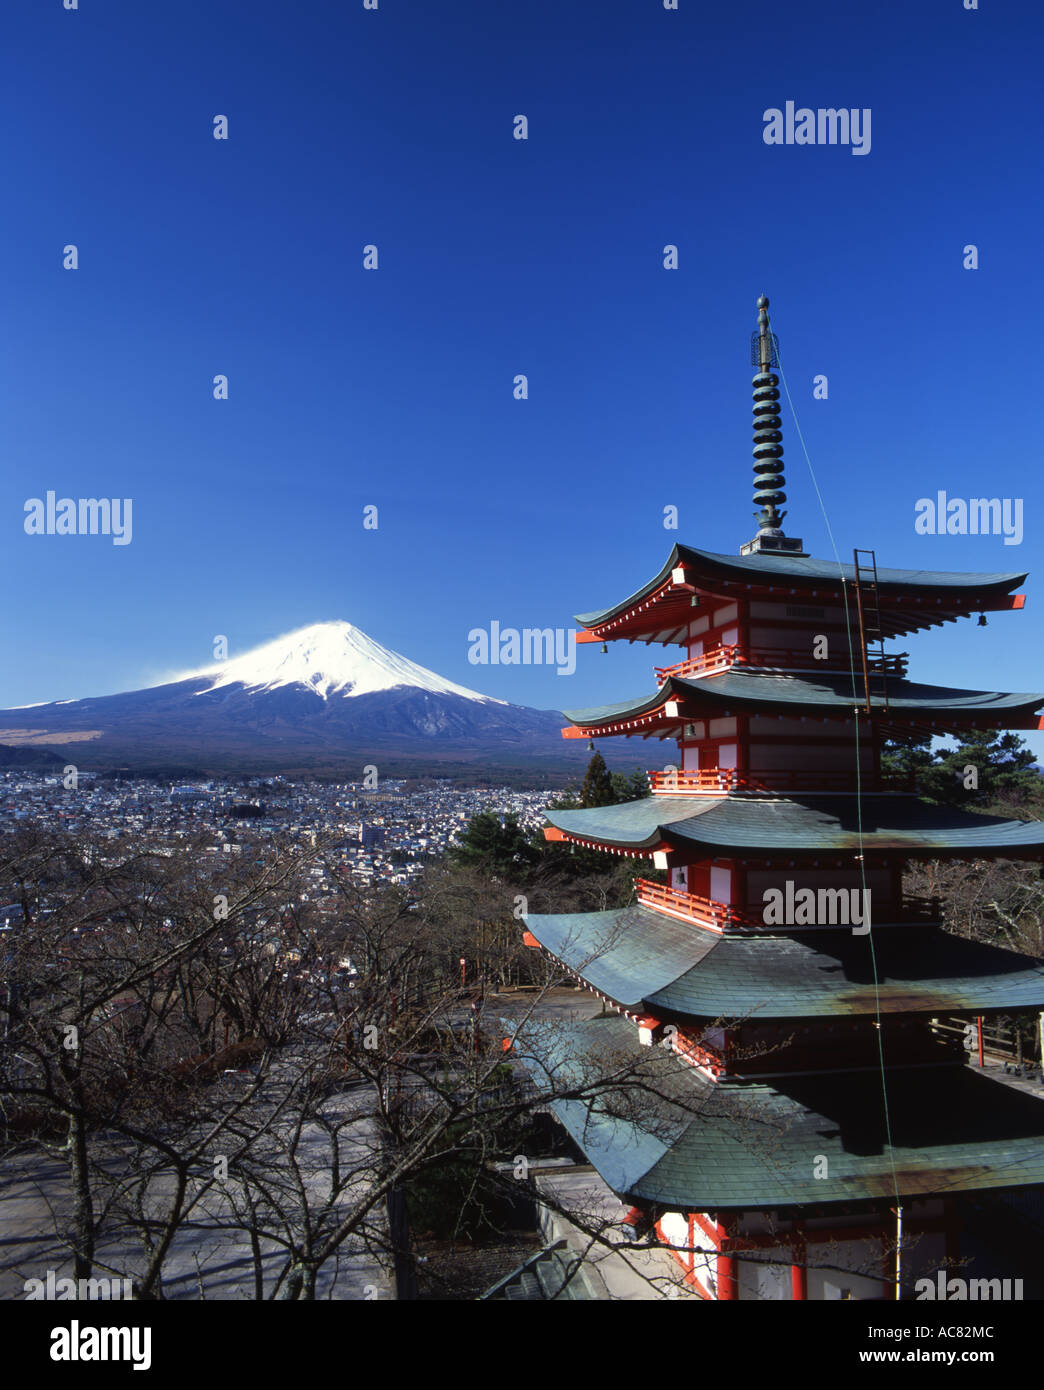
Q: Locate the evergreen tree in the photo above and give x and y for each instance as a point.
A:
(600, 788)
(632, 788)
(987, 765)
(502, 849)
(597, 788)
(908, 757)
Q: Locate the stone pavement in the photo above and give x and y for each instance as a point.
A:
(205, 1261)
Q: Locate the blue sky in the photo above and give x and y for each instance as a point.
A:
(394, 387)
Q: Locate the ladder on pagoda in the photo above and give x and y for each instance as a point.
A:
(871, 635)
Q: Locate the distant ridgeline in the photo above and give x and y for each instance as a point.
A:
(11, 756)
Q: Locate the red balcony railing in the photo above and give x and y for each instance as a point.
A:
(720, 781)
(777, 658)
(691, 907)
(719, 659)
(708, 782)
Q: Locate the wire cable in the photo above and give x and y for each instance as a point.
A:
(858, 775)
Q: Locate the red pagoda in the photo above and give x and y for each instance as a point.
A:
(825, 1132)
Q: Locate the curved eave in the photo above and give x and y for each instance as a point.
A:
(691, 1145)
(781, 827)
(647, 963)
(750, 691)
(911, 599)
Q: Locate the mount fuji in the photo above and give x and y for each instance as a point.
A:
(321, 698)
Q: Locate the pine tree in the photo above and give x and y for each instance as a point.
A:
(986, 765)
(908, 757)
(500, 849)
(632, 788)
(597, 788)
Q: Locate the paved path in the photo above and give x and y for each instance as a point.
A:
(204, 1261)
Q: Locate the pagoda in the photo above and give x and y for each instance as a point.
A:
(819, 1132)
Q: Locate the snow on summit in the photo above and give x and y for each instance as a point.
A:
(331, 659)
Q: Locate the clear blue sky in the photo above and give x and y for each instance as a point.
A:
(498, 257)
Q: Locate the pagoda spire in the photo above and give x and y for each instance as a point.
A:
(768, 446)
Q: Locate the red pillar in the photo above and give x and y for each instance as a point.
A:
(799, 1269)
(727, 1284)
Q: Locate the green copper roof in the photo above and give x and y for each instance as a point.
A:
(682, 1142)
(822, 693)
(808, 573)
(643, 959)
(741, 825)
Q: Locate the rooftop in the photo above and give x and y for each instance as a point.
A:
(644, 960)
(682, 1142)
(910, 599)
(780, 826)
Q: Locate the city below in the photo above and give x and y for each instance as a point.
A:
(377, 835)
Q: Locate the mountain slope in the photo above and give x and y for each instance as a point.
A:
(329, 659)
(326, 695)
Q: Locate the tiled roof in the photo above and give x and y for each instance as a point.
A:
(679, 1141)
(824, 693)
(730, 825)
(806, 572)
(643, 959)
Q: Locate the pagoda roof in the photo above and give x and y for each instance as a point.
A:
(642, 959)
(910, 599)
(772, 827)
(680, 1141)
(821, 693)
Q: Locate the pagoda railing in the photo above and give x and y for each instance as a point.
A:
(720, 659)
(721, 781)
(783, 658)
(692, 907)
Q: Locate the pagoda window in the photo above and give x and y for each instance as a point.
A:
(699, 879)
(697, 755)
(720, 884)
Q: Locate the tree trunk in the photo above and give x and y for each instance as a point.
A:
(82, 1234)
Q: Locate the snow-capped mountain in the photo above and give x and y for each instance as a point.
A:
(326, 696)
(329, 659)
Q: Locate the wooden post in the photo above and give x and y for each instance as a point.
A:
(799, 1269)
(727, 1284)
